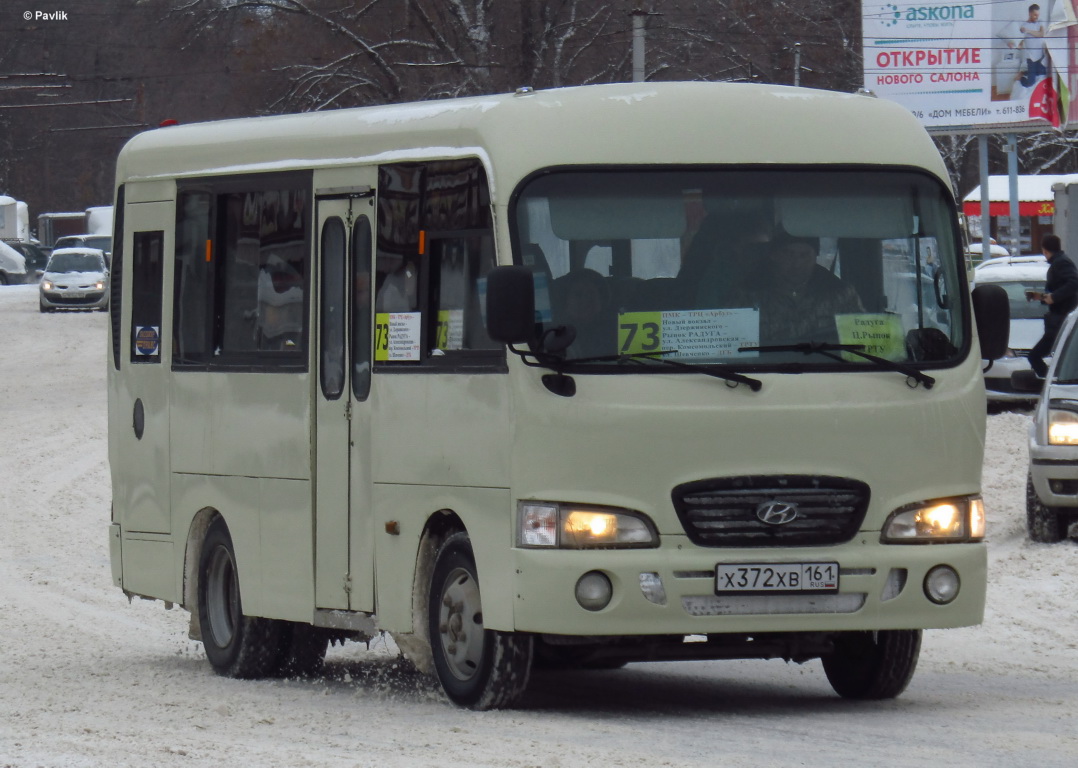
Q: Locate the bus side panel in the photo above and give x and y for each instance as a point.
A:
(243, 424)
(451, 429)
(236, 499)
(441, 442)
(487, 515)
(287, 547)
(144, 571)
(270, 524)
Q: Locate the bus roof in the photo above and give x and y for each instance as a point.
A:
(516, 134)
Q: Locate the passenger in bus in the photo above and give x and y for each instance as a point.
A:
(399, 290)
(798, 298)
(280, 305)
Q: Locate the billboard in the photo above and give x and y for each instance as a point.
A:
(1003, 65)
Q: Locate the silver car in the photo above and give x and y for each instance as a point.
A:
(1052, 486)
(75, 278)
(1015, 275)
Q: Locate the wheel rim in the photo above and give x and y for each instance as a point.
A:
(460, 624)
(222, 597)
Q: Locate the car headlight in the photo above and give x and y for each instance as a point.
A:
(99, 285)
(949, 520)
(580, 526)
(46, 284)
(1062, 424)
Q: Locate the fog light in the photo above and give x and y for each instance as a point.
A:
(593, 591)
(942, 584)
(651, 584)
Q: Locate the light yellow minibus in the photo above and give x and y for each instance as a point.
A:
(566, 378)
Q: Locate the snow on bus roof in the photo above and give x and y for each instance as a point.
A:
(613, 123)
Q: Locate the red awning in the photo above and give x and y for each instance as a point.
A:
(1003, 208)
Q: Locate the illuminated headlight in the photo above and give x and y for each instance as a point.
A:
(576, 526)
(950, 520)
(99, 285)
(1062, 427)
(47, 285)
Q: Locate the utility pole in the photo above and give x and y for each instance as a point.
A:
(797, 64)
(639, 21)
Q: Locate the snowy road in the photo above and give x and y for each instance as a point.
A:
(87, 679)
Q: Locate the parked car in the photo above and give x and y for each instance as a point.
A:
(12, 266)
(1052, 483)
(75, 278)
(974, 257)
(36, 257)
(1015, 274)
(100, 242)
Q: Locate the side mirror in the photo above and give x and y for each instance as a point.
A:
(992, 312)
(511, 305)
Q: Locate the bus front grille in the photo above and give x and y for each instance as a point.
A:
(771, 510)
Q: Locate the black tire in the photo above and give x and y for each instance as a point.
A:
(236, 645)
(873, 665)
(1044, 524)
(302, 650)
(3, 279)
(478, 668)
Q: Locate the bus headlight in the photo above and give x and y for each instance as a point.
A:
(951, 520)
(579, 526)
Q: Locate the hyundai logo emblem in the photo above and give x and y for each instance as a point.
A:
(776, 512)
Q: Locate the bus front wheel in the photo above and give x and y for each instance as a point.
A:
(478, 668)
(236, 645)
(873, 665)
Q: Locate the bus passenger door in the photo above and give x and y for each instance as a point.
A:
(139, 408)
(344, 544)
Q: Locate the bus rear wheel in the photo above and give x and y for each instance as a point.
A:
(873, 665)
(478, 668)
(236, 645)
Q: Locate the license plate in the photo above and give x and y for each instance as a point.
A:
(75, 294)
(776, 577)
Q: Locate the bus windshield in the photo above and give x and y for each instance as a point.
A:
(744, 267)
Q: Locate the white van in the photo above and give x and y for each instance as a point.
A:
(583, 377)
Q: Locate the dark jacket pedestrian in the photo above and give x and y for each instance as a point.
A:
(1060, 295)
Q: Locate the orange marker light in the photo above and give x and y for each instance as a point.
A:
(422, 241)
(209, 251)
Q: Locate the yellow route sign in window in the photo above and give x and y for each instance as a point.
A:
(880, 334)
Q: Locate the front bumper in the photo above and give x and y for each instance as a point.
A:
(880, 588)
(1054, 470)
(998, 382)
(74, 299)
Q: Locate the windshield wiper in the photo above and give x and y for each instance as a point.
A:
(716, 371)
(560, 383)
(828, 349)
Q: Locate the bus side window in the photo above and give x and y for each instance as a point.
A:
(191, 284)
(241, 293)
(459, 264)
(146, 277)
(435, 245)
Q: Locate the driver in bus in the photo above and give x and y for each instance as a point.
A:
(798, 298)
